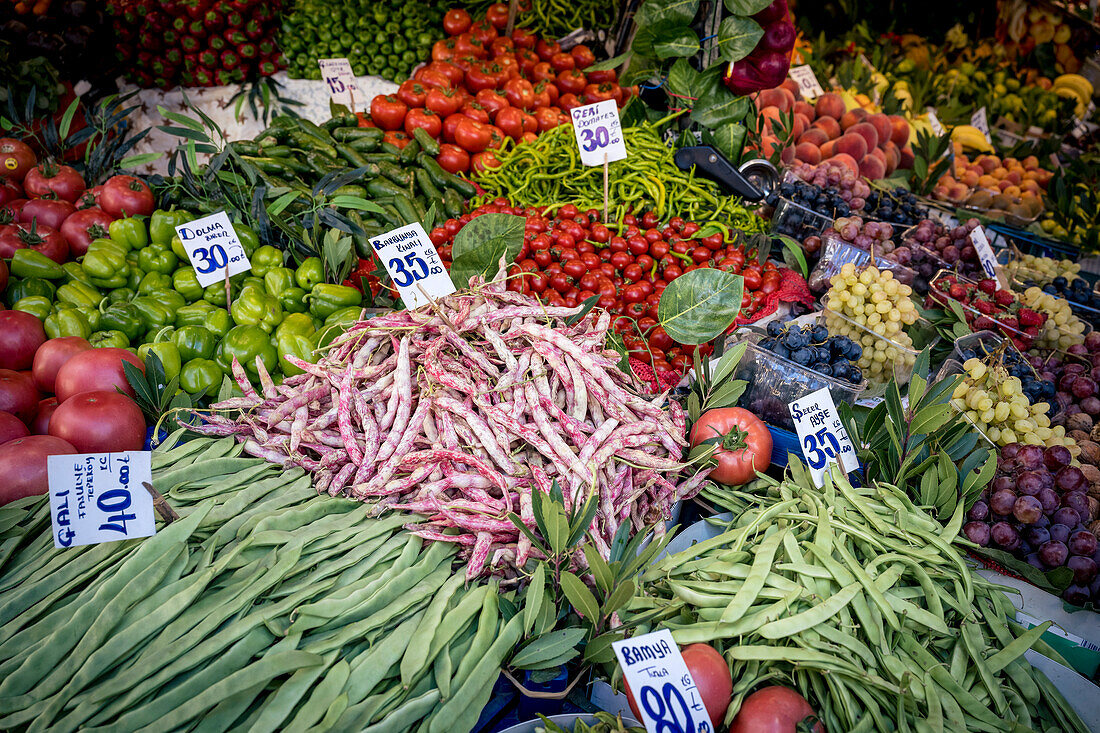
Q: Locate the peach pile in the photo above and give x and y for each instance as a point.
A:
(1011, 186)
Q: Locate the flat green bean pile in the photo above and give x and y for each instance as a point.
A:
(548, 172)
(264, 607)
(856, 598)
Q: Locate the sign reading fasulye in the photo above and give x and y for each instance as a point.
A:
(413, 263)
(99, 497)
(662, 685)
(821, 434)
(213, 247)
(599, 132)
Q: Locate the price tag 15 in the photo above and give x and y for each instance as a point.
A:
(808, 85)
(821, 434)
(413, 263)
(599, 132)
(339, 77)
(213, 247)
(985, 254)
(99, 497)
(981, 121)
(661, 683)
(934, 121)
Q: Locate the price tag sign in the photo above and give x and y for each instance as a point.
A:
(99, 497)
(821, 435)
(599, 132)
(339, 77)
(213, 248)
(808, 85)
(666, 693)
(985, 254)
(981, 121)
(414, 265)
(934, 121)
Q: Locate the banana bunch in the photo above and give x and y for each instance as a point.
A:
(971, 138)
(1076, 87)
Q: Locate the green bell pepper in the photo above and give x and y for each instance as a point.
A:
(124, 318)
(193, 314)
(297, 324)
(153, 282)
(168, 353)
(265, 258)
(218, 321)
(162, 225)
(249, 240)
(36, 305)
(170, 299)
(277, 280)
(293, 300)
(133, 280)
(345, 316)
(256, 308)
(77, 293)
(293, 344)
(252, 282)
(326, 298)
(130, 233)
(153, 315)
(201, 377)
(215, 293)
(195, 342)
(309, 273)
(176, 245)
(31, 263)
(132, 258)
(156, 258)
(186, 283)
(245, 343)
(111, 283)
(67, 322)
(121, 295)
(19, 289)
(92, 315)
(105, 262)
(109, 339)
(75, 273)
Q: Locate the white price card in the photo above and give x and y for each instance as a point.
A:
(413, 263)
(665, 692)
(213, 248)
(339, 77)
(934, 121)
(821, 434)
(808, 85)
(985, 253)
(599, 132)
(980, 120)
(100, 497)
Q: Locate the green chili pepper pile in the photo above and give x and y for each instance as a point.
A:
(264, 607)
(856, 598)
(558, 18)
(548, 173)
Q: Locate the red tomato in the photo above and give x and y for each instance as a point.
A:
(482, 76)
(527, 60)
(423, 118)
(126, 196)
(774, 710)
(710, 672)
(442, 102)
(601, 92)
(744, 443)
(601, 77)
(502, 47)
(523, 38)
(520, 93)
(562, 62)
(546, 49)
(497, 14)
(546, 118)
(453, 73)
(484, 161)
(16, 159)
(453, 159)
(18, 394)
(582, 56)
(456, 21)
(543, 71)
(23, 465)
(753, 278)
(9, 191)
(412, 93)
(41, 424)
(396, 137)
(20, 336)
(51, 356)
(50, 213)
(492, 100)
(388, 112)
(475, 111)
(468, 46)
(570, 81)
(82, 227)
(444, 50)
(472, 136)
(484, 32)
(50, 179)
(510, 120)
(11, 427)
(99, 422)
(96, 369)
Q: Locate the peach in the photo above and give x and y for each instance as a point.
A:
(893, 156)
(906, 161)
(1030, 185)
(808, 153)
(899, 132)
(865, 130)
(803, 107)
(987, 181)
(852, 144)
(988, 163)
(970, 178)
(846, 160)
(1004, 185)
(853, 117)
(882, 126)
(871, 167)
(799, 125)
(879, 153)
(787, 156)
(828, 150)
(1013, 191)
(814, 136)
(777, 97)
(791, 86)
(769, 145)
(829, 125)
(829, 105)
(976, 169)
(999, 173)
(1031, 162)
(766, 118)
(1010, 163)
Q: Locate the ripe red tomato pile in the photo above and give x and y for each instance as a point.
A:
(571, 256)
(482, 87)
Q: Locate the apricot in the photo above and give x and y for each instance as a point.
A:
(829, 125)
(853, 144)
(987, 181)
(808, 153)
(814, 136)
(958, 192)
(846, 160)
(989, 163)
(899, 132)
(872, 167)
(1029, 186)
(1031, 163)
(1014, 177)
(999, 173)
(829, 105)
(1013, 191)
(853, 117)
(970, 178)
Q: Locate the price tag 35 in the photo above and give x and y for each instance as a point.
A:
(662, 685)
(340, 79)
(599, 132)
(413, 263)
(808, 84)
(99, 497)
(213, 247)
(823, 438)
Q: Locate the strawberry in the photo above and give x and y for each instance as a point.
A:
(984, 323)
(988, 286)
(985, 307)
(958, 292)
(1028, 317)
(1003, 297)
(1010, 322)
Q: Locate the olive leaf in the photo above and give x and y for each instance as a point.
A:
(700, 305)
(480, 244)
(737, 37)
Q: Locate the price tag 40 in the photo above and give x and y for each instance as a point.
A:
(99, 497)
(662, 685)
(413, 263)
(339, 77)
(599, 132)
(213, 248)
(808, 85)
(823, 438)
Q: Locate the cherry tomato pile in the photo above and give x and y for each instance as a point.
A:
(482, 88)
(571, 256)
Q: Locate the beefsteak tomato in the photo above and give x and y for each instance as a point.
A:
(742, 441)
(774, 710)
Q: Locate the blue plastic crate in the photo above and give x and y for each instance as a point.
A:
(1034, 244)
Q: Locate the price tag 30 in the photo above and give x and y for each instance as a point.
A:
(659, 679)
(213, 247)
(823, 438)
(99, 497)
(808, 85)
(413, 263)
(934, 121)
(985, 254)
(981, 121)
(599, 132)
(339, 77)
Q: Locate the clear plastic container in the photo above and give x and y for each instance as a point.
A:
(1023, 278)
(797, 221)
(981, 341)
(774, 382)
(836, 252)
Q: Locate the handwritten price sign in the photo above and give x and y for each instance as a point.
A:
(339, 77)
(666, 693)
(213, 247)
(99, 497)
(808, 84)
(599, 132)
(821, 434)
(413, 263)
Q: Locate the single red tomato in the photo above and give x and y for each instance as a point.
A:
(96, 369)
(475, 111)
(708, 669)
(523, 38)
(41, 423)
(99, 422)
(562, 61)
(429, 121)
(442, 102)
(497, 14)
(492, 100)
(9, 191)
(16, 159)
(582, 56)
(23, 465)
(456, 21)
(472, 136)
(453, 159)
(12, 427)
(453, 73)
(388, 112)
(82, 227)
(18, 394)
(20, 336)
(775, 710)
(484, 161)
(570, 81)
(397, 138)
(510, 120)
(40, 238)
(52, 355)
(546, 49)
(484, 32)
(50, 179)
(744, 444)
(51, 213)
(125, 196)
(412, 93)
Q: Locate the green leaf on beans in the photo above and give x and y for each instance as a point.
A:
(737, 37)
(700, 305)
(684, 42)
(548, 646)
(480, 244)
(746, 7)
(580, 597)
(720, 107)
